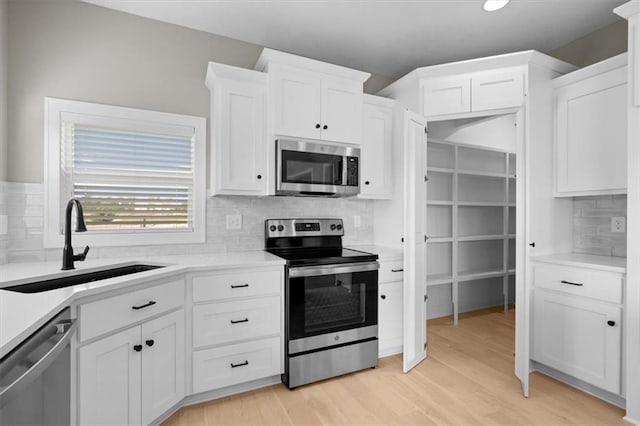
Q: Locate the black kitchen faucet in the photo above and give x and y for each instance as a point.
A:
(67, 254)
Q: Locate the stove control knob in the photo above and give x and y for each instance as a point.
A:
(272, 228)
(280, 228)
(333, 227)
(339, 227)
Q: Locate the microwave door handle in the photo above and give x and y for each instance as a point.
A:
(21, 383)
(345, 162)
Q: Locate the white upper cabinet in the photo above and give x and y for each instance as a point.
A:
(313, 99)
(591, 130)
(474, 92)
(446, 95)
(375, 148)
(238, 130)
(502, 88)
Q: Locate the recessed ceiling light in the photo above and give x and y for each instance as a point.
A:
(493, 5)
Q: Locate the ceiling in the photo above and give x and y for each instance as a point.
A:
(386, 37)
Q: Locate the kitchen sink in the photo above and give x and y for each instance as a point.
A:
(55, 283)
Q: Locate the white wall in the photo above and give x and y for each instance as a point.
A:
(4, 46)
(74, 50)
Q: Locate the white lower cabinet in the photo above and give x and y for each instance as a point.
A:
(237, 327)
(390, 305)
(578, 334)
(132, 376)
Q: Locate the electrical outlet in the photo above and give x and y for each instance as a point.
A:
(618, 224)
(356, 221)
(234, 221)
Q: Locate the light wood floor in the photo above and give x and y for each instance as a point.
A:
(466, 379)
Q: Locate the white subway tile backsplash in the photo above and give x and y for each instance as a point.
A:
(24, 204)
(592, 225)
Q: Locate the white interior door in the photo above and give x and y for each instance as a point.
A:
(415, 246)
(523, 267)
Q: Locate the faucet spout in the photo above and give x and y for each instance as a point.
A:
(67, 254)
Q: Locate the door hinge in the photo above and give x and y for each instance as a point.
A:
(425, 297)
(425, 238)
(425, 131)
(426, 178)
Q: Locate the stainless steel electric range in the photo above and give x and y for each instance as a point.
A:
(331, 300)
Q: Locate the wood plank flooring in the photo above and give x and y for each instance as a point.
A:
(466, 379)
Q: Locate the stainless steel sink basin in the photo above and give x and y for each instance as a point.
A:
(55, 283)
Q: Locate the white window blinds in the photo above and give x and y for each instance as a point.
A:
(129, 179)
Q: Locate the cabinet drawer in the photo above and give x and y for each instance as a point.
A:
(391, 271)
(225, 322)
(237, 284)
(584, 282)
(497, 89)
(233, 364)
(119, 311)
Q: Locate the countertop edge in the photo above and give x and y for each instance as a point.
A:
(584, 261)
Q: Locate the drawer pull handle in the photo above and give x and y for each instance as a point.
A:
(137, 348)
(242, 364)
(570, 283)
(239, 285)
(151, 303)
(239, 321)
(383, 296)
(611, 323)
(397, 270)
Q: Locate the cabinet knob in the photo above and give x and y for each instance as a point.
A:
(611, 323)
(366, 182)
(259, 177)
(137, 348)
(150, 342)
(318, 126)
(383, 296)
(325, 127)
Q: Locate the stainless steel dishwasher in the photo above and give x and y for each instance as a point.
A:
(35, 381)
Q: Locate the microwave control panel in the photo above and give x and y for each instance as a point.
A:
(352, 171)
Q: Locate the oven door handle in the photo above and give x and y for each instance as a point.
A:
(346, 268)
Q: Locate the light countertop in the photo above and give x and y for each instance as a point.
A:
(603, 263)
(21, 314)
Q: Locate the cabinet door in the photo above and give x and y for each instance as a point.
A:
(390, 318)
(497, 89)
(591, 135)
(578, 336)
(109, 380)
(446, 95)
(240, 138)
(341, 110)
(375, 155)
(296, 95)
(162, 364)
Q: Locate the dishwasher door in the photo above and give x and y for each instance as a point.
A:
(35, 379)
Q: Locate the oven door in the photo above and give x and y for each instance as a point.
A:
(308, 168)
(331, 305)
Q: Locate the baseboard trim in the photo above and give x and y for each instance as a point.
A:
(630, 420)
(395, 350)
(217, 394)
(607, 396)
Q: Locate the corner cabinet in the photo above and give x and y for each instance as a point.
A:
(313, 99)
(474, 92)
(135, 375)
(591, 130)
(376, 153)
(238, 130)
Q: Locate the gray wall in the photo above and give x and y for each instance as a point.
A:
(596, 46)
(74, 50)
(4, 45)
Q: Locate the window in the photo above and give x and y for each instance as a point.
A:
(138, 174)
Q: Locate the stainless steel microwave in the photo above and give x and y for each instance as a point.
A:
(317, 169)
